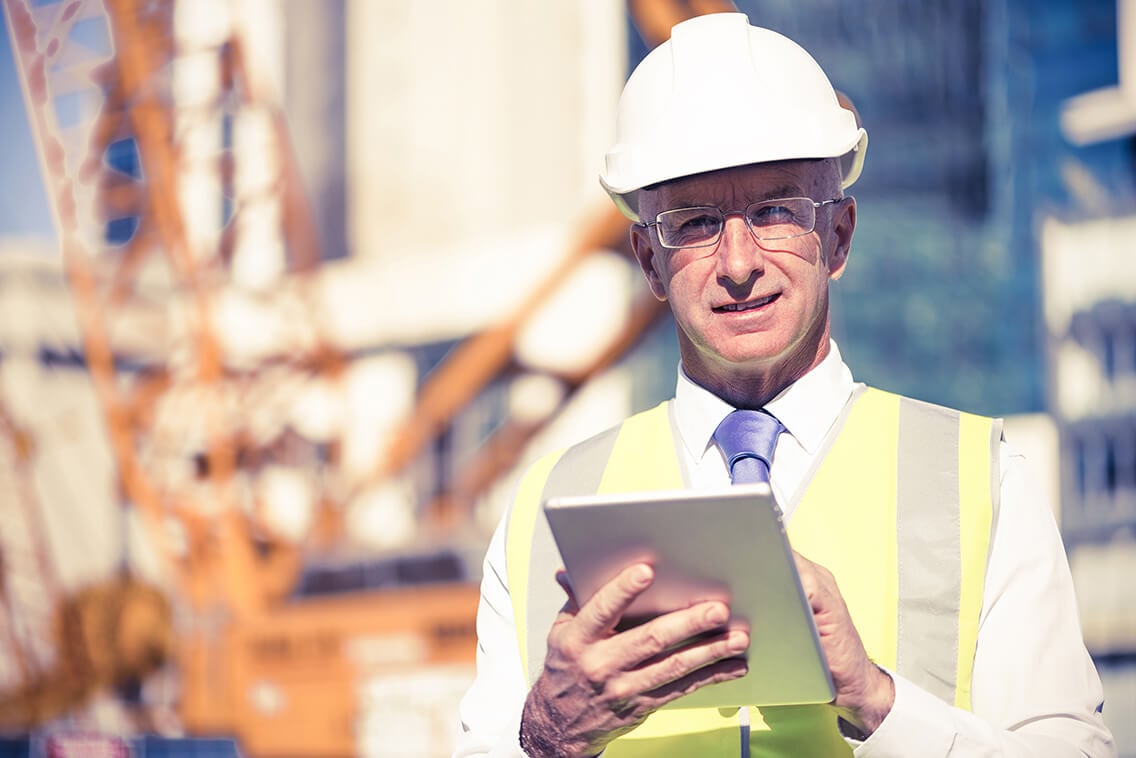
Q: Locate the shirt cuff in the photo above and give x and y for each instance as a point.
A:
(919, 724)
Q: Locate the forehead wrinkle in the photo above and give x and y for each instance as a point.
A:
(734, 189)
(734, 195)
(783, 191)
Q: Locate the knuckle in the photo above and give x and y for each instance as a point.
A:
(567, 649)
(653, 641)
(619, 691)
(623, 586)
(678, 689)
(596, 670)
(559, 636)
(675, 667)
(692, 687)
(607, 605)
(723, 676)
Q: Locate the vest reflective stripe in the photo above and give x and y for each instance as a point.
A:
(940, 506)
(928, 542)
(910, 482)
(931, 482)
(528, 537)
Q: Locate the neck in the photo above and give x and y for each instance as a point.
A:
(753, 385)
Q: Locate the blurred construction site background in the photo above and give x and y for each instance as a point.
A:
(290, 290)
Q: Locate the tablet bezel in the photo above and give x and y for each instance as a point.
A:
(725, 543)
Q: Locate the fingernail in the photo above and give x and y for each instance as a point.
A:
(642, 575)
(738, 642)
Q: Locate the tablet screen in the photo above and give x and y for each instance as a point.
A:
(726, 544)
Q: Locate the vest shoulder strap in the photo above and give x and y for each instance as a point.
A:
(927, 476)
(637, 454)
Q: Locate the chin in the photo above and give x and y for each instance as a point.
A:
(758, 350)
(735, 361)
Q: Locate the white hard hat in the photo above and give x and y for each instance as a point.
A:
(721, 93)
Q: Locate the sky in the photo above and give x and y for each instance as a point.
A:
(24, 210)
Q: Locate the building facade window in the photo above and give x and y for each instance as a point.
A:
(1108, 350)
(1080, 468)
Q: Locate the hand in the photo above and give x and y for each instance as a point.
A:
(598, 684)
(864, 692)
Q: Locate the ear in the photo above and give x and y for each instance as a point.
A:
(645, 253)
(843, 224)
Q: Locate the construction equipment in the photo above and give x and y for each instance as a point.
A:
(193, 421)
(115, 146)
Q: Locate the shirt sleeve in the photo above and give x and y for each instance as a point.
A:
(489, 717)
(1035, 690)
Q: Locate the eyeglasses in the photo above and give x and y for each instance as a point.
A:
(701, 226)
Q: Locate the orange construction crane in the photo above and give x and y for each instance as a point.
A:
(118, 164)
(249, 663)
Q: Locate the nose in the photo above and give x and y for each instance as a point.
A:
(739, 257)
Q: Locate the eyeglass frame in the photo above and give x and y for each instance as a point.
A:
(744, 213)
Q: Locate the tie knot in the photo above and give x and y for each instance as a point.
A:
(746, 439)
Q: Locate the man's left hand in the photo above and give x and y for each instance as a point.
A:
(864, 692)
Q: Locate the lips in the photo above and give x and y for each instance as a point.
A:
(748, 305)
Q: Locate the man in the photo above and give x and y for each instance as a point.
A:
(941, 594)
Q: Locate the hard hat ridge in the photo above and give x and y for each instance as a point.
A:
(721, 93)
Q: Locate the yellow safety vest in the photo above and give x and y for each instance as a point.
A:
(899, 509)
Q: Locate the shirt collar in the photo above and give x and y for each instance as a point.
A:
(807, 408)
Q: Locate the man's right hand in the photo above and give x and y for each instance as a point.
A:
(598, 684)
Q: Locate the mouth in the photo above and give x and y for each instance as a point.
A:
(748, 305)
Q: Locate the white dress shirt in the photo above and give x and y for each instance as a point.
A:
(1035, 691)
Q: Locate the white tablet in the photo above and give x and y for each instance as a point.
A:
(725, 544)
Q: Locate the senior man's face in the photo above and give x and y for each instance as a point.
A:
(747, 308)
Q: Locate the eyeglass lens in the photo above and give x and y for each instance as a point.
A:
(768, 220)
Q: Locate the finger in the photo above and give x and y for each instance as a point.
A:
(600, 614)
(679, 664)
(806, 569)
(810, 581)
(637, 691)
(572, 605)
(820, 588)
(713, 673)
(670, 630)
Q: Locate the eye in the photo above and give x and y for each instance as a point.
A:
(772, 215)
(688, 226)
(704, 224)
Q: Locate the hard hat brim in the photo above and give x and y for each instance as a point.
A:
(851, 166)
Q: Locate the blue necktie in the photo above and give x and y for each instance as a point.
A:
(747, 439)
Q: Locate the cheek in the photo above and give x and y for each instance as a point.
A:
(679, 275)
(810, 253)
(806, 248)
(780, 247)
